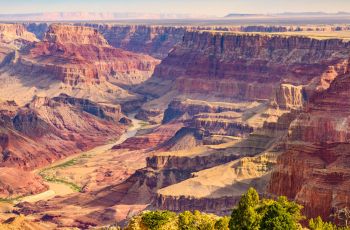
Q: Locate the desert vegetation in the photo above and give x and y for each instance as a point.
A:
(251, 213)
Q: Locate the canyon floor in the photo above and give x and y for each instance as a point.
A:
(102, 121)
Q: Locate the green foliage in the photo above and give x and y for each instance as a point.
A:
(277, 217)
(318, 224)
(135, 223)
(222, 223)
(196, 221)
(245, 215)
(154, 220)
(253, 213)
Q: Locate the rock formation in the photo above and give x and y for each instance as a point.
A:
(315, 168)
(49, 129)
(252, 66)
(13, 37)
(15, 183)
(156, 41)
(76, 55)
(15, 34)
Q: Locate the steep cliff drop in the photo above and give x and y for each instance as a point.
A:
(226, 66)
(156, 41)
(251, 66)
(247, 86)
(221, 107)
(315, 168)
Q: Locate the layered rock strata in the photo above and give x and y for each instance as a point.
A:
(314, 169)
(156, 41)
(76, 55)
(13, 37)
(49, 129)
(252, 66)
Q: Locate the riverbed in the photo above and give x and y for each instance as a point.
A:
(61, 189)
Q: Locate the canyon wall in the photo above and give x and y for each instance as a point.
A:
(315, 168)
(39, 29)
(13, 37)
(46, 130)
(252, 66)
(156, 41)
(76, 55)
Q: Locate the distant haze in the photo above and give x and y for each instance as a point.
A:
(186, 8)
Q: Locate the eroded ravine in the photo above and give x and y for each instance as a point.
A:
(60, 186)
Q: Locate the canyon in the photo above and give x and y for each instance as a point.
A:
(141, 117)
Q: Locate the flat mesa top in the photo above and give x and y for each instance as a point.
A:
(320, 35)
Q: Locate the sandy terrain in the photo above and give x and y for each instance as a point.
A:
(22, 89)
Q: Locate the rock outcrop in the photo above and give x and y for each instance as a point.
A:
(156, 41)
(49, 129)
(13, 37)
(76, 54)
(15, 183)
(252, 66)
(315, 168)
(151, 140)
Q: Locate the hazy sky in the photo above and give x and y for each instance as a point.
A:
(208, 7)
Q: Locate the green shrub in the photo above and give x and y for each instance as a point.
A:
(318, 224)
(196, 221)
(222, 223)
(252, 213)
(154, 220)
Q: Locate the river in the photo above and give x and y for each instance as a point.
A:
(61, 189)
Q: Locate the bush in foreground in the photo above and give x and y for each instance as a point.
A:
(251, 213)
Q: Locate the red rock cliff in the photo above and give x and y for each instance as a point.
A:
(315, 168)
(76, 54)
(49, 129)
(252, 66)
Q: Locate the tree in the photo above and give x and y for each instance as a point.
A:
(245, 215)
(196, 221)
(318, 224)
(222, 223)
(253, 213)
(277, 217)
(155, 220)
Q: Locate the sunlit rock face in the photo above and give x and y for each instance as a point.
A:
(77, 54)
(13, 37)
(315, 168)
(251, 66)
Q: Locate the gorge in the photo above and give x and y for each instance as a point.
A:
(144, 117)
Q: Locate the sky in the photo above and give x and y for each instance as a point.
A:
(198, 7)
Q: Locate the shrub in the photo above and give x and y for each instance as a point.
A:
(154, 220)
(222, 223)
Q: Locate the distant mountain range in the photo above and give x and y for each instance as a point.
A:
(86, 16)
(289, 14)
(110, 16)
